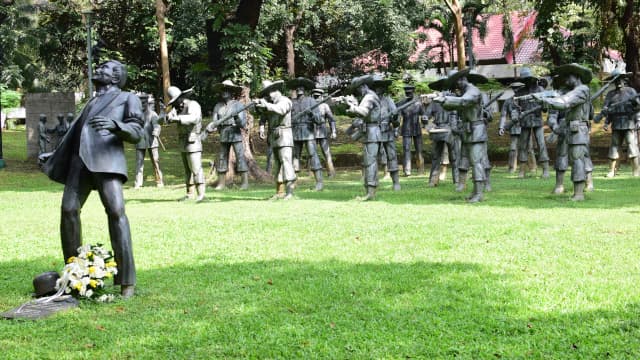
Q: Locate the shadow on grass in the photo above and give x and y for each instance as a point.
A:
(328, 309)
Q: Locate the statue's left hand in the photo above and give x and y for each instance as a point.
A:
(102, 123)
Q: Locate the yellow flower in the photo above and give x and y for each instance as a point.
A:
(90, 253)
(111, 264)
(108, 275)
(93, 283)
(78, 286)
(71, 259)
(92, 269)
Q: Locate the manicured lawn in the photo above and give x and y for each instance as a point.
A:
(415, 274)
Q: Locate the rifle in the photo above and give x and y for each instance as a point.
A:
(492, 100)
(214, 124)
(311, 108)
(603, 88)
(536, 95)
(407, 104)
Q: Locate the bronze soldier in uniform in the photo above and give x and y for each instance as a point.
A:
(277, 115)
(576, 102)
(474, 127)
(508, 109)
(230, 130)
(620, 107)
(322, 133)
(443, 149)
(188, 115)
(303, 122)
(149, 141)
(411, 130)
(91, 156)
(388, 124)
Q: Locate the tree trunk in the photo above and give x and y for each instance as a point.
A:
(629, 23)
(291, 55)
(456, 10)
(161, 10)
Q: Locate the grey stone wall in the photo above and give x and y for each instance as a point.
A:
(50, 104)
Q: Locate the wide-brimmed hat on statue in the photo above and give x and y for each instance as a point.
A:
(175, 93)
(358, 81)
(381, 82)
(301, 82)
(269, 86)
(619, 74)
(317, 91)
(527, 76)
(580, 71)
(227, 85)
(45, 283)
(516, 84)
(454, 75)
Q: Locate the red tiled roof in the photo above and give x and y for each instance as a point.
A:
(491, 48)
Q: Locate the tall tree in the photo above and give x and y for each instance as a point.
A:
(456, 10)
(161, 11)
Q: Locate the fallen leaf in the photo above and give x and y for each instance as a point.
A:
(332, 325)
(120, 309)
(100, 327)
(270, 282)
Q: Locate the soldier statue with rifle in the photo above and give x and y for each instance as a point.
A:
(509, 110)
(304, 118)
(276, 113)
(188, 115)
(411, 130)
(440, 125)
(149, 141)
(576, 103)
(322, 133)
(388, 129)
(531, 123)
(621, 108)
(229, 118)
(473, 127)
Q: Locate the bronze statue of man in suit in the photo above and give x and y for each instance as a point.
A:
(91, 156)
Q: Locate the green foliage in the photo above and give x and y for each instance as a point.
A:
(9, 98)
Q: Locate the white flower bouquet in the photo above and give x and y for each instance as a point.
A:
(84, 275)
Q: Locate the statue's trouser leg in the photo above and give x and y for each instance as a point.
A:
(463, 166)
(453, 160)
(139, 168)
(561, 164)
(76, 191)
(189, 178)
(559, 188)
(418, 145)
(444, 161)
(477, 194)
(269, 159)
(155, 162)
(634, 152)
(543, 157)
(406, 151)
(487, 169)
(223, 165)
(194, 161)
(392, 155)
(297, 154)
(370, 164)
(617, 137)
(241, 164)
(283, 169)
(326, 151)
(437, 148)
(513, 153)
(109, 187)
(524, 143)
(477, 155)
(577, 155)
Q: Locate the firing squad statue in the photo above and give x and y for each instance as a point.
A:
(322, 132)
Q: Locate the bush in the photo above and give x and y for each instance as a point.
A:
(9, 98)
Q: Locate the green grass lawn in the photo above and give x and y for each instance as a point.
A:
(415, 274)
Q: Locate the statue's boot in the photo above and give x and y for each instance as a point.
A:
(407, 169)
(477, 196)
(222, 181)
(290, 185)
(386, 175)
(635, 166)
(279, 191)
(434, 179)
(462, 181)
(245, 180)
(396, 180)
(455, 174)
(545, 169)
(523, 170)
(371, 194)
(559, 189)
(191, 189)
(127, 291)
(420, 164)
(443, 172)
(318, 176)
(201, 190)
(487, 184)
(589, 183)
(513, 161)
(612, 168)
(578, 191)
(533, 164)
